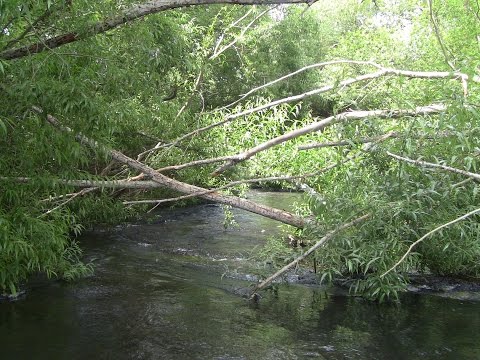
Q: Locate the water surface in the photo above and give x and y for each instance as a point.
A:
(167, 290)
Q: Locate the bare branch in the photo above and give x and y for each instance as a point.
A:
(331, 234)
(60, 197)
(427, 235)
(111, 184)
(393, 135)
(195, 163)
(436, 166)
(80, 193)
(305, 68)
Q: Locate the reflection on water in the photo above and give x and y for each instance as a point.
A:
(150, 300)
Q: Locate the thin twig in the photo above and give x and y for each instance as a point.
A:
(80, 193)
(436, 30)
(217, 52)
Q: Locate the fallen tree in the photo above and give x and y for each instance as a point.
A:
(276, 214)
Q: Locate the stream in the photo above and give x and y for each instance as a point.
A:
(168, 288)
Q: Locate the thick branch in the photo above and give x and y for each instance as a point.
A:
(320, 125)
(129, 15)
(319, 243)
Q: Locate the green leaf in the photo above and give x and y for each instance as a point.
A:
(3, 128)
(13, 289)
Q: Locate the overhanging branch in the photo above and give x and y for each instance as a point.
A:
(133, 13)
(320, 125)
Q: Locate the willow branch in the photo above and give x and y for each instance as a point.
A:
(218, 52)
(263, 210)
(331, 234)
(32, 26)
(323, 170)
(296, 72)
(241, 182)
(393, 135)
(436, 31)
(80, 193)
(320, 125)
(436, 166)
(427, 235)
(187, 103)
(342, 84)
(131, 14)
(111, 184)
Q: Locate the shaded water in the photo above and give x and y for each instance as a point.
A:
(165, 290)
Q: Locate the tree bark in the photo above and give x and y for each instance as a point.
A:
(129, 15)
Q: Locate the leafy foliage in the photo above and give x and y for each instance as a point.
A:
(134, 95)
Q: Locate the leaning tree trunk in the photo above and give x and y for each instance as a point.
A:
(272, 213)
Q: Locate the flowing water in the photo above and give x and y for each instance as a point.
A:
(168, 289)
